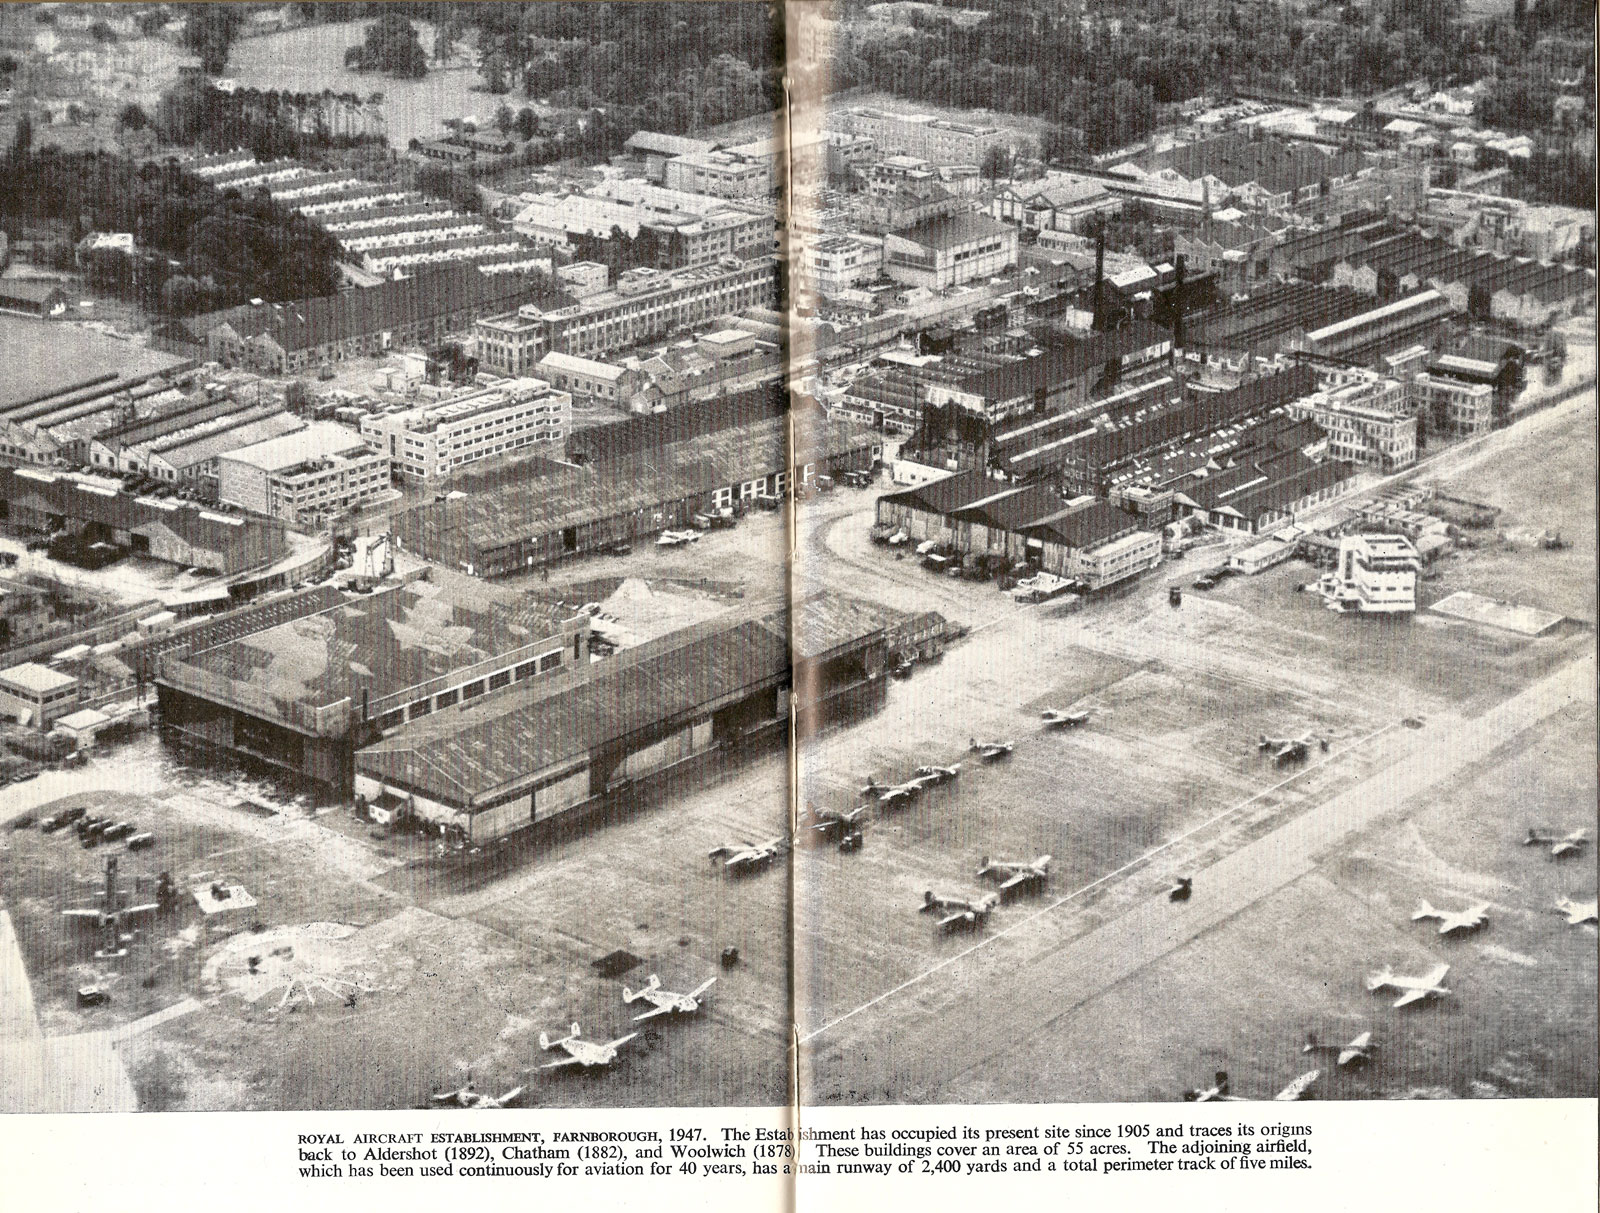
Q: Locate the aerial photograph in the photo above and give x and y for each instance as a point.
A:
(745, 554)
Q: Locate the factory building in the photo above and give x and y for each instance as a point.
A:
(1370, 421)
(94, 511)
(435, 440)
(976, 516)
(938, 254)
(305, 695)
(645, 304)
(546, 515)
(1452, 406)
(688, 698)
(304, 478)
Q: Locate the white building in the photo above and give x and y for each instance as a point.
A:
(1376, 574)
(36, 696)
(941, 253)
(837, 263)
(304, 478)
(1369, 422)
(435, 440)
(1453, 406)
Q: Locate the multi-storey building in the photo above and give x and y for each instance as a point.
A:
(644, 305)
(677, 238)
(935, 139)
(720, 174)
(946, 252)
(1452, 406)
(1369, 422)
(303, 478)
(837, 263)
(434, 440)
(1376, 574)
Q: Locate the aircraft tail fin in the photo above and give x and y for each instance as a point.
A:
(928, 901)
(544, 1040)
(1424, 910)
(1379, 979)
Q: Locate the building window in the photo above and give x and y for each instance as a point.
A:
(448, 698)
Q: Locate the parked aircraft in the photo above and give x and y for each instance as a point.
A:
(1469, 919)
(1012, 873)
(1055, 718)
(580, 1052)
(1182, 890)
(962, 913)
(111, 912)
(895, 795)
(1412, 989)
(665, 1002)
(468, 1097)
(747, 856)
(1359, 1049)
(1218, 1090)
(1289, 749)
(673, 539)
(831, 823)
(1577, 912)
(1567, 844)
(933, 776)
(991, 750)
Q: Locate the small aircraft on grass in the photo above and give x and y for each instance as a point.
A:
(1413, 989)
(111, 915)
(894, 795)
(961, 913)
(747, 856)
(1218, 1090)
(665, 1002)
(932, 776)
(1289, 749)
(1055, 718)
(673, 539)
(580, 1052)
(831, 823)
(1011, 874)
(1566, 844)
(1469, 919)
(1359, 1049)
(470, 1097)
(991, 750)
(1577, 912)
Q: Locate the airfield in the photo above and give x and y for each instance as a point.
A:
(386, 970)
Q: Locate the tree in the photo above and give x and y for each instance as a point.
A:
(101, 32)
(503, 119)
(22, 138)
(132, 118)
(494, 74)
(391, 46)
(996, 162)
(151, 21)
(527, 124)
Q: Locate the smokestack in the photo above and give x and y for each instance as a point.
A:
(1177, 309)
(1099, 322)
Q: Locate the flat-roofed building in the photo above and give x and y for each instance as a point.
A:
(1370, 422)
(437, 440)
(946, 252)
(588, 379)
(1376, 574)
(36, 696)
(936, 139)
(304, 478)
(645, 304)
(1453, 406)
(719, 174)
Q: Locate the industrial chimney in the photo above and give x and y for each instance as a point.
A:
(1099, 323)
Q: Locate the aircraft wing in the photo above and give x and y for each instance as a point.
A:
(621, 1040)
(702, 987)
(150, 908)
(509, 1095)
(95, 914)
(1411, 996)
(954, 918)
(1014, 879)
(565, 1061)
(1436, 974)
(1355, 1048)
(660, 1008)
(1298, 1088)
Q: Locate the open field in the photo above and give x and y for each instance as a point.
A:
(60, 355)
(1445, 741)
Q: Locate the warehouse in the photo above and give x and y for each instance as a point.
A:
(1261, 492)
(505, 526)
(303, 696)
(95, 510)
(674, 702)
(970, 513)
